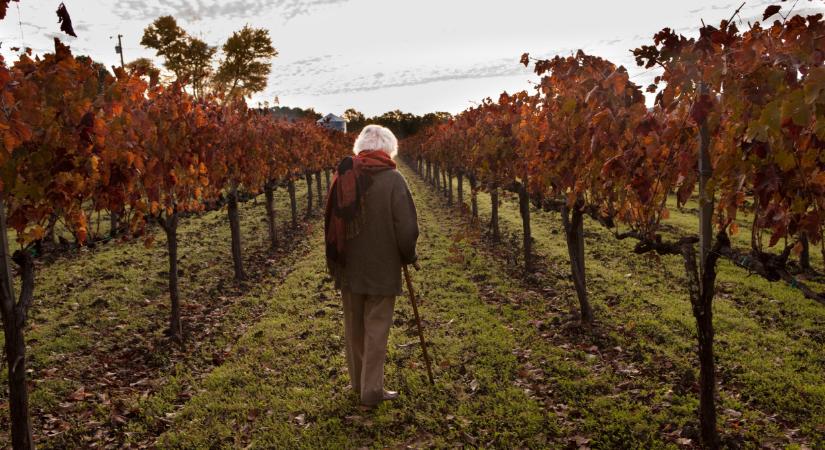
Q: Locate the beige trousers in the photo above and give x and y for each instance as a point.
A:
(367, 321)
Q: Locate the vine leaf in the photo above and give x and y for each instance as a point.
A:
(64, 20)
(771, 10)
(4, 5)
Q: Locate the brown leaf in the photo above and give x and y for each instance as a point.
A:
(79, 394)
(64, 20)
(771, 10)
(4, 4)
(701, 109)
(253, 414)
(580, 440)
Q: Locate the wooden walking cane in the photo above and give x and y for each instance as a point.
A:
(418, 322)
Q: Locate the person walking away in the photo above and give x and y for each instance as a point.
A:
(371, 229)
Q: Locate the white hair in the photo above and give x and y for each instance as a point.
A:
(376, 137)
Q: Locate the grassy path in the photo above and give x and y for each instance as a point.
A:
(513, 369)
(286, 385)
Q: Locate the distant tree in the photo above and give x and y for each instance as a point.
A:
(406, 124)
(145, 67)
(198, 59)
(168, 40)
(189, 58)
(433, 118)
(247, 62)
(355, 120)
(353, 115)
(294, 114)
(438, 116)
(401, 123)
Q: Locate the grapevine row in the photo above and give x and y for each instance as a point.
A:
(77, 140)
(738, 113)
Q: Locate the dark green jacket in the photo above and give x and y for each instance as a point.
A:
(387, 238)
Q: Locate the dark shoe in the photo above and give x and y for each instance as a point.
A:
(390, 395)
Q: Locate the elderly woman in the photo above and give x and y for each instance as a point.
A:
(371, 230)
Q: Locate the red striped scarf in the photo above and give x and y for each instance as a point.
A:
(344, 210)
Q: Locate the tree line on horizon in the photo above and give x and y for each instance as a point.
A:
(243, 67)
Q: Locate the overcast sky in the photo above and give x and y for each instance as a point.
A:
(380, 55)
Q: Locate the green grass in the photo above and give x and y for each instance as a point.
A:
(513, 367)
(770, 340)
(287, 388)
(100, 366)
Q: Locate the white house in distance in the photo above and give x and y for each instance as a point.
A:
(333, 122)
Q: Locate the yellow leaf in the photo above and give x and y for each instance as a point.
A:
(784, 159)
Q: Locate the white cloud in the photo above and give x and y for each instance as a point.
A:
(194, 10)
(379, 55)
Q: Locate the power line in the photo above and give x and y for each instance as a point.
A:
(20, 24)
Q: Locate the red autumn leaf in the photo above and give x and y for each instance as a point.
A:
(86, 128)
(699, 111)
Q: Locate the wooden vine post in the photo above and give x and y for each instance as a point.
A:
(13, 325)
(702, 304)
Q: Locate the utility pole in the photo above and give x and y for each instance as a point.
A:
(119, 49)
